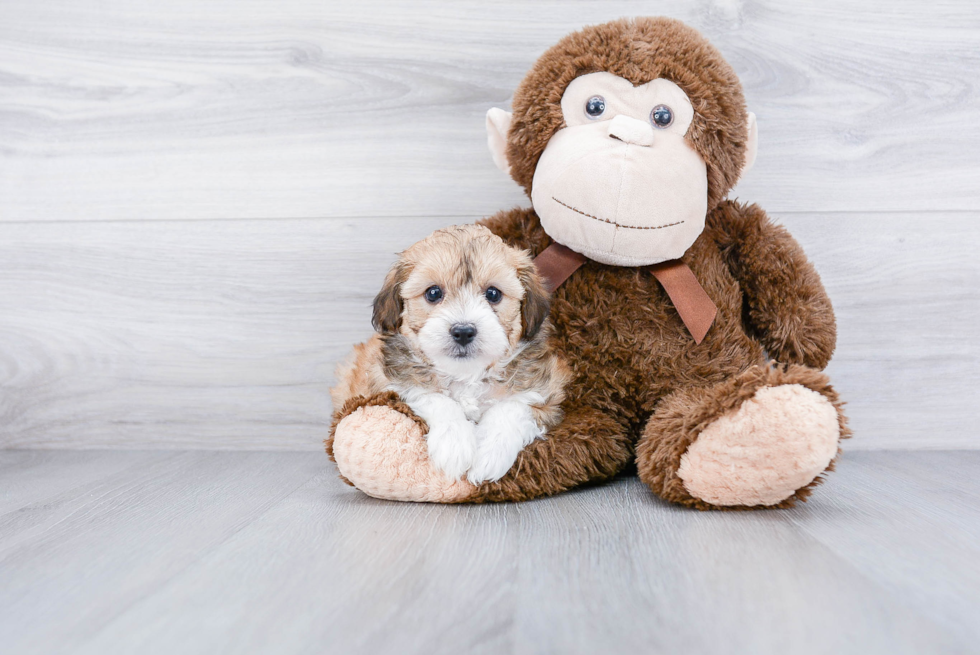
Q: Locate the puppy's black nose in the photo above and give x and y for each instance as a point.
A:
(462, 334)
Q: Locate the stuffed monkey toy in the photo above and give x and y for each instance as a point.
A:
(696, 330)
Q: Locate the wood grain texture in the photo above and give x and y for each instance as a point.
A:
(326, 136)
(30, 476)
(906, 291)
(181, 333)
(225, 334)
(304, 108)
(127, 533)
(270, 552)
(905, 543)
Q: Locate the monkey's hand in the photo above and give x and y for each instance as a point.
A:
(789, 311)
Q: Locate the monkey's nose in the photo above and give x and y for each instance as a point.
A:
(631, 130)
(462, 334)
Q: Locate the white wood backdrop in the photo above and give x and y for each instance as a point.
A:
(198, 199)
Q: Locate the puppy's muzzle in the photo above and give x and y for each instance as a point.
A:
(462, 334)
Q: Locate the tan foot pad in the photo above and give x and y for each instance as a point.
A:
(383, 452)
(760, 454)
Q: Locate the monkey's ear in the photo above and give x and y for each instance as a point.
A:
(498, 123)
(751, 144)
(388, 304)
(536, 303)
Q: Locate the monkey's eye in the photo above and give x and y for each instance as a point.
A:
(595, 106)
(433, 294)
(662, 116)
(493, 295)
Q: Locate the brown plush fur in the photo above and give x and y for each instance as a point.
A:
(640, 383)
(630, 352)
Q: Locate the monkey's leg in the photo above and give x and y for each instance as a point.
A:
(761, 439)
(379, 447)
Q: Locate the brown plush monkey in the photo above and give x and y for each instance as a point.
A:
(627, 137)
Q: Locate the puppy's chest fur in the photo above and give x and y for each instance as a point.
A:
(410, 375)
(475, 397)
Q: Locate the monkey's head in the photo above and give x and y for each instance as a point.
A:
(625, 135)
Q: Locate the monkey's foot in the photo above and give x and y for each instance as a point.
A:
(382, 451)
(775, 443)
(760, 442)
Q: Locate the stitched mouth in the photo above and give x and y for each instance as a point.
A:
(606, 220)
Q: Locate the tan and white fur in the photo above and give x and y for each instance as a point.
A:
(462, 323)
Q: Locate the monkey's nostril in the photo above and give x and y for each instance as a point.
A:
(462, 334)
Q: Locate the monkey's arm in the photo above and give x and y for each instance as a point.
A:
(788, 309)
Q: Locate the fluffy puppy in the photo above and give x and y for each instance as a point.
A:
(462, 324)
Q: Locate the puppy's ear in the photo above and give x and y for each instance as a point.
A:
(536, 303)
(388, 304)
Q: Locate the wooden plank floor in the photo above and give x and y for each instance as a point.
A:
(209, 552)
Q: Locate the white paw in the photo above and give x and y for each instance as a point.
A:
(452, 445)
(493, 460)
(503, 432)
(451, 440)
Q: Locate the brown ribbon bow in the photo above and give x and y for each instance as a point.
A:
(557, 263)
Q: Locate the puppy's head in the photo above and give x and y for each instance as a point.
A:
(463, 298)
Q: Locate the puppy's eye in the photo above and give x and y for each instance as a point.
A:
(662, 116)
(433, 294)
(595, 106)
(493, 295)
